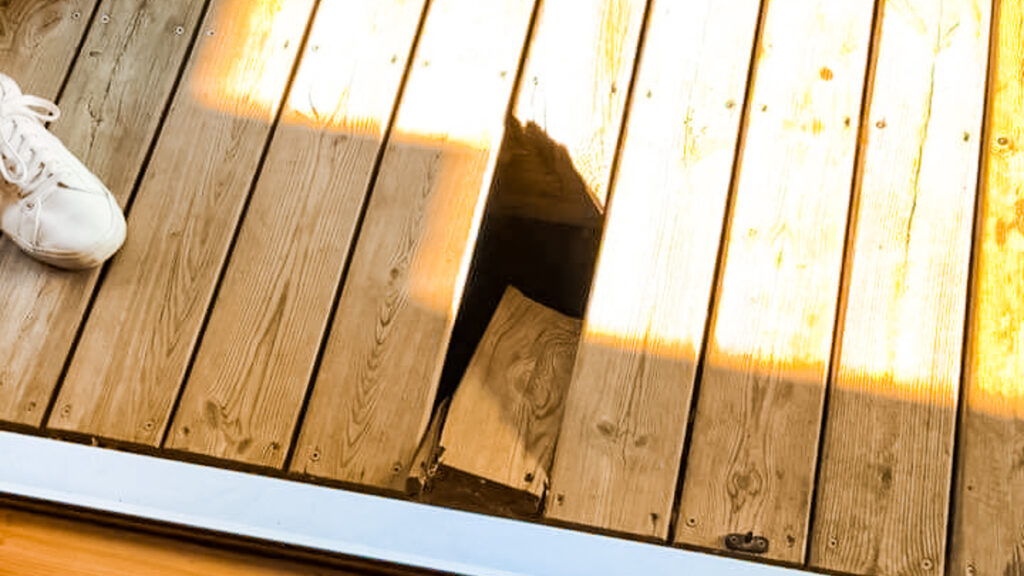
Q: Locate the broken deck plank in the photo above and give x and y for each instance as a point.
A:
(39, 39)
(617, 461)
(256, 359)
(557, 162)
(754, 446)
(499, 436)
(134, 349)
(887, 451)
(373, 395)
(988, 518)
(111, 107)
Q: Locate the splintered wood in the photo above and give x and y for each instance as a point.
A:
(310, 179)
(558, 156)
(372, 398)
(135, 347)
(111, 109)
(256, 360)
(618, 454)
(499, 437)
(884, 485)
(988, 518)
(752, 456)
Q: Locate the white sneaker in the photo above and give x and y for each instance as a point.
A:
(58, 211)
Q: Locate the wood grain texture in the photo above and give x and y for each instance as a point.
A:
(886, 467)
(574, 89)
(111, 109)
(256, 359)
(617, 461)
(376, 386)
(40, 545)
(39, 40)
(988, 518)
(500, 433)
(754, 445)
(135, 346)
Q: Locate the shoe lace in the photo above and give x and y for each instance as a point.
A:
(23, 158)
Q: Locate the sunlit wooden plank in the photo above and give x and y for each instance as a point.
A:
(111, 108)
(569, 109)
(618, 454)
(39, 39)
(136, 344)
(250, 375)
(888, 445)
(752, 456)
(988, 534)
(374, 393)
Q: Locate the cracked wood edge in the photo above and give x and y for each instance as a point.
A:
(568, 111)
(499, 435)
(372, 399)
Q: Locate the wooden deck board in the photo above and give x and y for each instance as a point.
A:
(569, 108)
(883, 492)
(887, 455)
(136, 344)
(257, 356)
(988, 518)
(618, 453)
(375, 390)
(39, 39)
(753, 449)
(111, 108)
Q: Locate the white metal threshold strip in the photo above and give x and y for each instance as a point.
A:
(328, 519)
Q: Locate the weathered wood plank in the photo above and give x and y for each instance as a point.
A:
(499, 437)
(569, 109)
(373, 396)
(40, 545)
(256, 359)
(134, 348)
(618, 454)
(752, 458)
(886, 463)
(988, 521)
(111, 109)
(39, 40)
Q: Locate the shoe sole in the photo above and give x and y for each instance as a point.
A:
(97, 255)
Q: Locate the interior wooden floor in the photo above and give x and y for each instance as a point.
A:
(36, 544)
(806, 317)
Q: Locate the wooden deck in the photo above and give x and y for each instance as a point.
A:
(806, 317)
